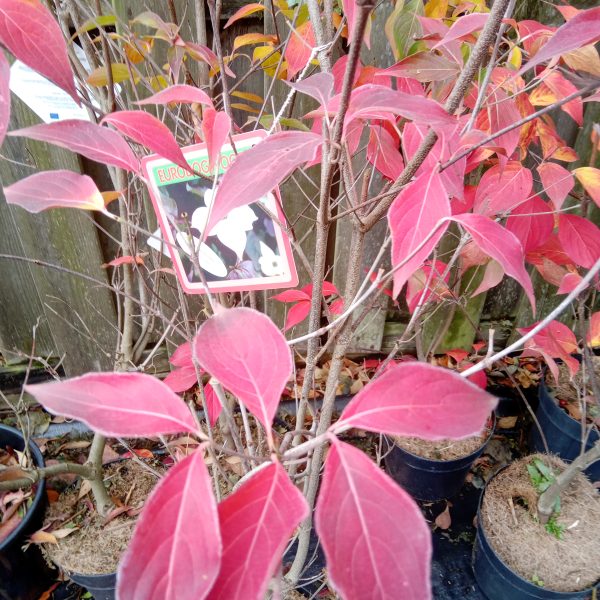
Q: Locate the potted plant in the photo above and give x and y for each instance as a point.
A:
(199, 529)
(567, 415)
(537, 530)
(22, 513)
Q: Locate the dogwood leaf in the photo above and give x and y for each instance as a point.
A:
(53, 189)
(146, 129)
(167, 559)
(88, 139)
(252, 175)
(117, 404)
(418, 399)
(256, 522)
(30, 32)
(414, 214)
(501, 245)
(376, 541)
(244, 350)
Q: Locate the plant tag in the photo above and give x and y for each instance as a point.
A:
(246, 250)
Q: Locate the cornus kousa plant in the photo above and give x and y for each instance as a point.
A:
(373, 533)
(455, 151)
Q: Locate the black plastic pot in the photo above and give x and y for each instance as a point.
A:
(562, 432)
(427, 478)
(24, 574)
(499, 582)
(102, 587)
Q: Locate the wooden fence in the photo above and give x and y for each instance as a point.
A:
(76, 318)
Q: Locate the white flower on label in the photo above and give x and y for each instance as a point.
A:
(271, 264)
(208, 259)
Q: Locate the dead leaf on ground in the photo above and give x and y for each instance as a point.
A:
(444, 520)
(507, 422)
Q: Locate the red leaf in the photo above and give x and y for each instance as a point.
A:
(580, 238)
(568, 283)
(256, 522)
(213, 405)
(418, 399)
(556, 340)
(337, 307)
(501, 245)
(383, 153)
(578, 31)
(4, 96)
(561, 88)
(500, 111)
(181, 379)
(215, 129)
(502, 188)
(593, 334)
(252, 174)
(319, 86)
(180, 94)
(246, 10)
(532, 223)
(124, 260)
(147, 130)
(463, 26)
(175, 551)
(479, 378)
(436, 284)
(182, 357)
(447, 144)
(492, 276)
(327, 289)
(243, 349)
(376, 542)
(557, 182)
(298, 51)
(52, 189)
(379, 102)
(117, 404)
(88, 139)
(413, 215)
(200, 52)
(296, 314)
(291, 296)
(30, 32)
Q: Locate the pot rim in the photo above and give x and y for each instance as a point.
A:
(40, 492)
(492, 430)
(480, 531)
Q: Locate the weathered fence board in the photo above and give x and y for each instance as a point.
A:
(81, 316)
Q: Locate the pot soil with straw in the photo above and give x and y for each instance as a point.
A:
(432, 470)
(520, 552)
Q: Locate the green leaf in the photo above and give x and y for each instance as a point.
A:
(267, 120)
(403, 28)
(544, 469)
(96, 23)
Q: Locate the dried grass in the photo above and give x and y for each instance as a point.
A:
(97, 548)
(508, 515)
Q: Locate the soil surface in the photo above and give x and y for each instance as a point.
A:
(442, 449)
(564, 563)
(98, 542)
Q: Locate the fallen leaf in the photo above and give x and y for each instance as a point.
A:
(507, 422)
(85, 489)
(43, 537)
(444, 520)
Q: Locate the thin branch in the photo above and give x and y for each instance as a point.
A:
(488, 362)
